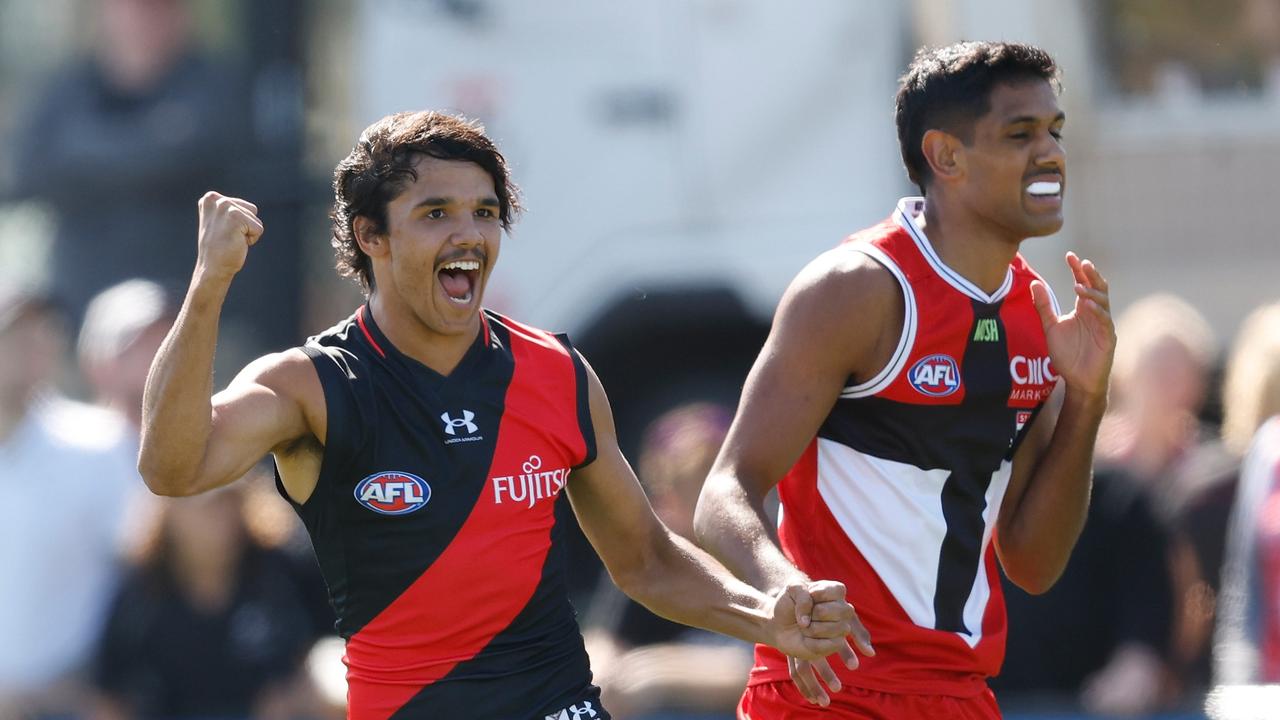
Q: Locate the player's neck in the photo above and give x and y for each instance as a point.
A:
(439, 351)
(968, 244)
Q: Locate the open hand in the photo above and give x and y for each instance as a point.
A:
(1082, 342)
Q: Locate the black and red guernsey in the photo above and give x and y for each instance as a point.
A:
(438, 519)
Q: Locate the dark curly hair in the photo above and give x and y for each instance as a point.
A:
(381, 166)
(949, 88)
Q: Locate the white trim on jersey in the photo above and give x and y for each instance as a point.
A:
(976, 607)
(908, 209)
(1053, 297)
(902, 538)
(907, 337)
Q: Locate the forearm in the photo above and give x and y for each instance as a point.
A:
(1037, 541)
(177, 414)
(731, 525)
(682, 583)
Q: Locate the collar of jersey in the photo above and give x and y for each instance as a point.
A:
(909, 208)
(387, 350)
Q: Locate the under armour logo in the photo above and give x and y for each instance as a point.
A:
(452, 424)
(573, 712)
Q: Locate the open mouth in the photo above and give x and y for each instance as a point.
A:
(1044, 188)
(459, 280)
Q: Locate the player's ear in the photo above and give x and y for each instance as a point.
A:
(944, 152)
(373, 243)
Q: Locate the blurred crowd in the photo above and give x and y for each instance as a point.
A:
(1172, 589)
(122, 605)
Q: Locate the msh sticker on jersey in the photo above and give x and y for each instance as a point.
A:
(393, 493)
(935, 375)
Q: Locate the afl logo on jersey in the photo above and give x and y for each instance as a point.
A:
(935, 375)
(393, 493)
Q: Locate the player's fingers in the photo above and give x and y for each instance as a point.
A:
(826, 590)
(245, 204)
(1043, 304)
(1100, 313)
(827, 630)
(793, 669)
(832, 611)
(846, 653)
(1097, 296)
(1095, 278)
(861, 637)
(807, 682)
(248, 223)
(803, 603)
(823, 668)
(1077, 268)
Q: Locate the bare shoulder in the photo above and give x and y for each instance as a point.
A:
(290, 377)
(848, 301)
(845, 275)
(289, 373)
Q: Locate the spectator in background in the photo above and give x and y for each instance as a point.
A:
(1247, 637)
(123, 143)
(1207, 489)
(208, 623)
(1106, 622)
(123, 327)
(1158, 387)
(66, 470)
(648, 666)
(1151, 438)
(1111, 616)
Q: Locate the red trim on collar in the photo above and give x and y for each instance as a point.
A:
(360, 321)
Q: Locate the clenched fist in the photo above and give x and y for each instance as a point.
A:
(817, 622)
(228, 226)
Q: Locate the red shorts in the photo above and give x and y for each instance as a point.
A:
(779, 700)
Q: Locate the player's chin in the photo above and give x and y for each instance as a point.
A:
(1039, 225)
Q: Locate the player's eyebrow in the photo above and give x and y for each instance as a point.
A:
(439, 201)
(1019, 119)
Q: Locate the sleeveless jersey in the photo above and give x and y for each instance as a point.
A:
(897, 495)
(438, 521)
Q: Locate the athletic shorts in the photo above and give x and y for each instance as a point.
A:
(778, 700)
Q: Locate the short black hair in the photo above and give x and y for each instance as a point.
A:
(381, 166)
(948, 88)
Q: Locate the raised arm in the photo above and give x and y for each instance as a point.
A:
(1045, 506)
(190, 441)
(679, 581)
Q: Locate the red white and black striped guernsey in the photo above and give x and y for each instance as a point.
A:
(438, 520)
(897, 495)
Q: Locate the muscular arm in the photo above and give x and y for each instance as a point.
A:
(1048, 497)
(190, 442)
(677, 580)
(835, 321)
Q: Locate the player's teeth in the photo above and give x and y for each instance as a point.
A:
(1044, 188)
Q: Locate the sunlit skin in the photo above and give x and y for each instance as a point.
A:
(990, 185)
(449, 214)
(979, 203)
(430, 268)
